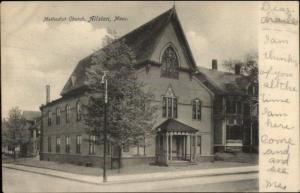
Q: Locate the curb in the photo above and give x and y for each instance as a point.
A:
(56, 176)
(132, 180)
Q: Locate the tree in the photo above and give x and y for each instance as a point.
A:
(130, 112)
(249, 66)
(15, 134)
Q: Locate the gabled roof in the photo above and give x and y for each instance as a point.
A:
(224, 83)
(176, 126)
(142, 41)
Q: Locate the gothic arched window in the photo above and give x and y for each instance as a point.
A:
(170, 63)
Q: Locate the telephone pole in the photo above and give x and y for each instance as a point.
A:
(104, 82)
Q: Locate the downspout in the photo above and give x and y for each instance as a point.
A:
(41, 136)
(213, 128)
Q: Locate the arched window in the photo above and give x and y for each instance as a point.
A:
(170, 63)
(169, 104)
(57, 115)
(196, 109)
(78, 111)
(67, 113)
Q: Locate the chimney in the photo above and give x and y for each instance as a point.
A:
(47, 94)
(237, 69)
(214, 64)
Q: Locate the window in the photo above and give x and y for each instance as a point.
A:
(67, 144)
(92, 142)
(199, 143)
(197, 109)
(49, 118)
(174, 107)
(67, 113)
(49, 144)
(170, 63)
(164, 106)
(169, 107)
(233, 107)
(57, 144)
(252, 90)
(78, 111)
(57, 116)
(78, 143)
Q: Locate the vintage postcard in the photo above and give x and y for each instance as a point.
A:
(164, 96)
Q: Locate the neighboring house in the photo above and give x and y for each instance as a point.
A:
(187, 127)
(31, 148)
(28, 138)
(235, 109)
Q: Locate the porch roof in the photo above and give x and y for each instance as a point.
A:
(175, 126)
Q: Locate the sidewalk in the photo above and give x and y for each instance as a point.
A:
(137, 169)
(154, 176)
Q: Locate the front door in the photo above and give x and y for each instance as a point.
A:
(178, 147)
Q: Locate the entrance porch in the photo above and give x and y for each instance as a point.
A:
(175, 143)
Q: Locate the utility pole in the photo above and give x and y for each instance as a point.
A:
(104, 82)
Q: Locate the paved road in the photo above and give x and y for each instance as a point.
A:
(20, 181)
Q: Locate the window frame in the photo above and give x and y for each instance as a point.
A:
(58, 114)
(170, 107)
(78, 111)
(68, 111)
(92, 145)
(169, 70)
(49, 116)
(78, 144)
(67, 144)
(57, 147)
(196, 109)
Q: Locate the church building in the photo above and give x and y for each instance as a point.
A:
(201, 111)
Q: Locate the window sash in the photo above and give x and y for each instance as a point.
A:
(57, 116)
(174, 103)
(169, 107)
(67, 144)
(164, 110)
(92, 142)
(67, 113)
(196, 109)
(57, 144)
(78, 143)
(199, 110)
(49, 118)
(78, 111)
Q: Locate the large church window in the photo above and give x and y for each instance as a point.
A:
(170, 63)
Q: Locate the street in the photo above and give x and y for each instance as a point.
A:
(20, 181)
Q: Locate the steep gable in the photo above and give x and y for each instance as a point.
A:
(142, 41)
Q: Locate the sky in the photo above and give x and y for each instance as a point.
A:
(35, 53)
